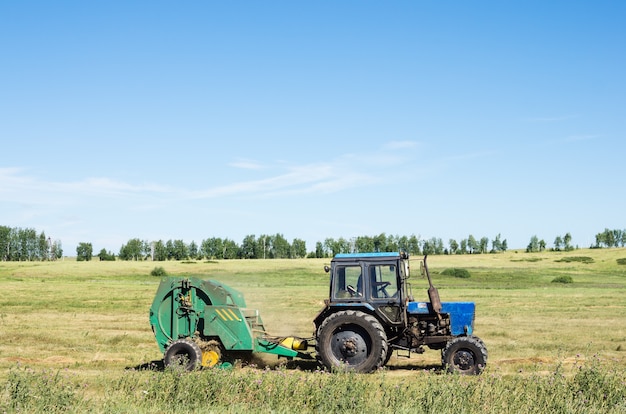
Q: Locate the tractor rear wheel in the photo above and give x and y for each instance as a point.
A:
(352, 340)
(466, 355)
(183, 353)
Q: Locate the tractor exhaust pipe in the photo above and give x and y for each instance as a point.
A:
(433, 293)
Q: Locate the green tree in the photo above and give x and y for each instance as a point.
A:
(392, 244)
(364, 244)
(558, 241)
(298, 248)
(57, 249)
(180, 251)
(472, 244)
(331, 247)
(106, 256)
(567, 240)
(496, 244)
(454, 246)
(380, 242)
(159, 252)
(249, 247)
(84, 252)
(344, 245)
(463, 246)
(194, 252)
(433, 245)
(414, 245)
(212, 248)
(319, 250)
(617, 237)
(280, 247)
(264, 244)
(533, 245)
(133, 250)
(483, 245)
(403, 243)
(44, 247)
(5, 243)
(230, 249)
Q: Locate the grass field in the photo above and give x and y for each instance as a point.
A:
(72, 332)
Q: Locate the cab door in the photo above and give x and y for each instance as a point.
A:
(384, 290)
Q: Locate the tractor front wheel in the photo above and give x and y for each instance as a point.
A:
(466, 355)
(352, 340)
(183, 353)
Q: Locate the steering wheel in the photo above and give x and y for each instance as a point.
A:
(382, 287)
(352, 291)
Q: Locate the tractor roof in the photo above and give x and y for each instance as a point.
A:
(378, 255)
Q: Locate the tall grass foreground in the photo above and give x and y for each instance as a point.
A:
(593, 388)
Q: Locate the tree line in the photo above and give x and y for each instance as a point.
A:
(611, 238)
(17, 244)
(278, 247)
(607, 238)
(560, 243)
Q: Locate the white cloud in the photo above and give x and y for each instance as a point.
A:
(280, 179)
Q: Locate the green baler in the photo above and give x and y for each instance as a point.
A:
(206, 323)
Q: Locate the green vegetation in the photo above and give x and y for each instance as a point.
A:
(611, 238)
(592, 388)
(17, 244)
(456, 272)
(76, 338)
(580, 259)
(563, 279)
(84, 252)
(158, 271)
(621, 261)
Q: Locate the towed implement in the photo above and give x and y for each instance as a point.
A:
(206, 323)
(370, 313)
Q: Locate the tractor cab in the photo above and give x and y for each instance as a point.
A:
(374, 281)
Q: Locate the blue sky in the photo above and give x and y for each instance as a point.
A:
(164, 120)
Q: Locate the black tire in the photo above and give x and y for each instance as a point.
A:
(482, 344)
(388, 357)
(352, 340)
(465, 355)
(183, 353)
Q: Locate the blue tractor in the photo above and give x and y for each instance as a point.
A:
(371, 312)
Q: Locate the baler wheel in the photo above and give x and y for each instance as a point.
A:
(211, 354)
(183, 353)
(466, 355)
(352, 340)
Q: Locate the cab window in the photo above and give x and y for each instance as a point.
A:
(348, 282)
(383, 281)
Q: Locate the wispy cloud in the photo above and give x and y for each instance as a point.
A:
(276, 179)
(294, 179)
(16, 185)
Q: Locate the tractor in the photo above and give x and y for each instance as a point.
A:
(370, 313)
